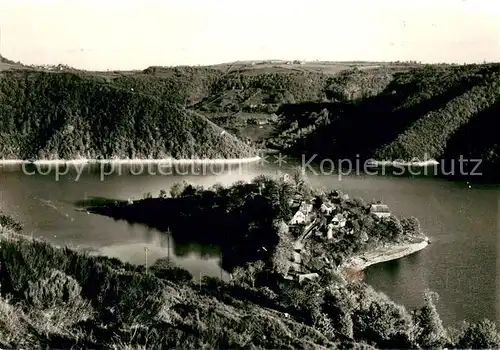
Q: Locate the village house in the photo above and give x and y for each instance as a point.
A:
(306, 207)
(295, 200)
(299, 218)
(380, 210)
(302, 216)
(307, 276)
(327, 208)
(339, 221)
(297, 260)
(364, 236)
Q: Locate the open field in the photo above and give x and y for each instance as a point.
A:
(248, 67)
(257, 67)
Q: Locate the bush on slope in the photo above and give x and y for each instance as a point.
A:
(418, 112)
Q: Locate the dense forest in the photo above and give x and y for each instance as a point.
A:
(389, 112)
(415, 114)
(63, 115)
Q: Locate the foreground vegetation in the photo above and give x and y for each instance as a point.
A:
(59, 298)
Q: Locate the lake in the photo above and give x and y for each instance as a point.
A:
(463, 224)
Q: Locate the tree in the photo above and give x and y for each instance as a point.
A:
(339, 304)
(386, 324)
(411, 226)
(189, 190)
(217, 188)
(10, 223)
(177, 189)
(430, 332)
(238, 276)
(394, 226)
(253, 269)
(280, 258)
(248, 275)
(482, 335)
(299, 176)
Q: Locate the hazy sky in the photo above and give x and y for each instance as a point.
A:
(123, 34)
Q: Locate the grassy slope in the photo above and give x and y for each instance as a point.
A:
(59, 298)
(110, 303)
(6, 64)
(66, 115)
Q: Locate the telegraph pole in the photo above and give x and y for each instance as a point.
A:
(169, 233)
(220, 264)
(146, 258)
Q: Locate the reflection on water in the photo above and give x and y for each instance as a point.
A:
(199, 260)
(461, 264)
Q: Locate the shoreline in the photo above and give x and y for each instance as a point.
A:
(391, 252)
(132, 161)
(396, 163)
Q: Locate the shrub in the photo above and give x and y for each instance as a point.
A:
(164, 269)
(9, 223)
(54, 304)
(482, 335)
(430, 332)
(51, 291)
(411, 226)
(13, 327)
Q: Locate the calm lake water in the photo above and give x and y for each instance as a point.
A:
(463, 224)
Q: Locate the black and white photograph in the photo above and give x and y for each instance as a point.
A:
(215, 174)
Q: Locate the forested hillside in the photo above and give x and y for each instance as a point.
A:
(388, 112)
(478, 142)
(418, 113)
(64, 115)
(60, 298)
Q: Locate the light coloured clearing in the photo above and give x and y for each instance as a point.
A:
(134, 161)
(401, 163)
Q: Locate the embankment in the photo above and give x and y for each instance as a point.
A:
(134, 161)
(383, 254)
(396, 163)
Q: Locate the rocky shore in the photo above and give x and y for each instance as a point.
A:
(383, 254)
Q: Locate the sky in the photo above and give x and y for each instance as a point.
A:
(133, 34)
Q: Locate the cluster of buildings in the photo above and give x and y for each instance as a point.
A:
(336, 218)
(327, 221)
